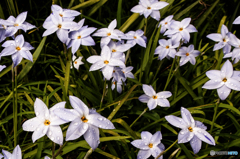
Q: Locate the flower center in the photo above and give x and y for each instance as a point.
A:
(148, 7)
(224, 80)
(190, 129)
(123, 71)
(16, 25)
(114, 82)
(167, 47)
(18, 48)
(113, 50)
(135, 37)
(106, 62)
(187, 54)
(224, 40)
(79, 37)
(114, 71)
(108, 34)
(4, 27)
(75, 62)
(154, 97)
(180, 29)
(166, 23)
(61, 15)
(150, 145)
(59, 26)
(84, 119)
(47, 122)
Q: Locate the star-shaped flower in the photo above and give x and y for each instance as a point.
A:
(64, 13)
(187, 54)
(235, 54)
(18, 48)
(153, 99)
(166, 48)
(13, 24)
(223, 80)
(57, 24)
(165, 23)
(135, 38)
(222, 39)
(109, 33)
(105, 62)
(181, 30)
(83, 122)
(77, 61)
(193, 131)
(45, 122)
(151, 8)
(149, 145)
(17, 153)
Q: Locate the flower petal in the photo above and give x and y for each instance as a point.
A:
(196, 144)
(156, 138)
(148, 90)
(19, 40)
(215, 37)
(31, 124)
(94, 59)
(146, 136)
(163, 102)
(140, 144)
(155, 151)
(144, 154)
(96, 66)
(144, 98)
(213, 84)
(204, 136)
(112, 25)
(105, 41)
(88, 41)
(140, 42)
(67, 114)
(17, 153)
(176, 121)
(41, 109)
(16, 58)
(223, 92)
(138, 9)
(233, 84)
(100, 121)
(62, 35)
(21, 18)
(152, 103)
(237, 20)
(227, 69)
(187, 117)
(185, 22)
(184, 136)
(76, 129)
(26, 54)
(39, 132)
(107, 72)
(78, 105)
(214, 74)
(164, 94)
(55, 134)
(92, 136)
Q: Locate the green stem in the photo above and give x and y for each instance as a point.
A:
(166, 150)
(15, 111)
(60, 149)
(169, 75)
(160, 64)
(67, 73)
(40, 147)
(53, 149)
(88, 153)
(104, 91)
(139, 116)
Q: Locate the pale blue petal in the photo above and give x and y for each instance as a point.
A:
(196, 144)
(223, 92)
(92, 136)
(76, 129)
(55, 134)
(204, 136)
(176, 121)
(184, 136)
(100, 121)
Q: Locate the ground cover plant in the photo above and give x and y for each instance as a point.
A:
(119, 79)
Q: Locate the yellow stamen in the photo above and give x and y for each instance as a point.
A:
(75, 62)
(18, 48)
(61, 15)
(166, 23)
(16, 25)
(135, 37)
(190, 129)
(224, 40)
(47, 122)
(150, 145)
(187, 54)
(148, 7)
(84, 119)
(113, 50)
(79, 37)
(108, 34)
(167, 47)
(181, 29)
(224, 80)
(114, 71)
(114, 82)
(59, 26)
(154, 97)
(106, 62)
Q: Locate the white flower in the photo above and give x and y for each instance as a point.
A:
(105, 62)
(76, 61)
(181, 30)
(153, 99)
(18, 48)
(17, 153)
(13, 24)
(165, 23)
(119, 85)
(109, 33)
(149, 145)
(118, 49)
(45, 122)
(187, 54)
(151, 8)
(55, 23)
(222, 38)
(136, 38)
(166, 48)
(223, 80)
(64, 13)
(193, 131)
(237, 20)
(83, 122)
(235, 54)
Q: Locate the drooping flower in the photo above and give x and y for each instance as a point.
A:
(223, 80)
(81, 37)
(165, 23)
(181, 30)
(17, 153)
(18, 48)
(187, 54)
(45, 122)
(109, 33)
(14, 24)
(105, 62)
(77, 61)
(83, 122)
(192, 130)
(64, 13)
(136, 37)
(151, 8)
(166, 48)
(149, 145)
(56, 23)
(153, 99)
(222, 39)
